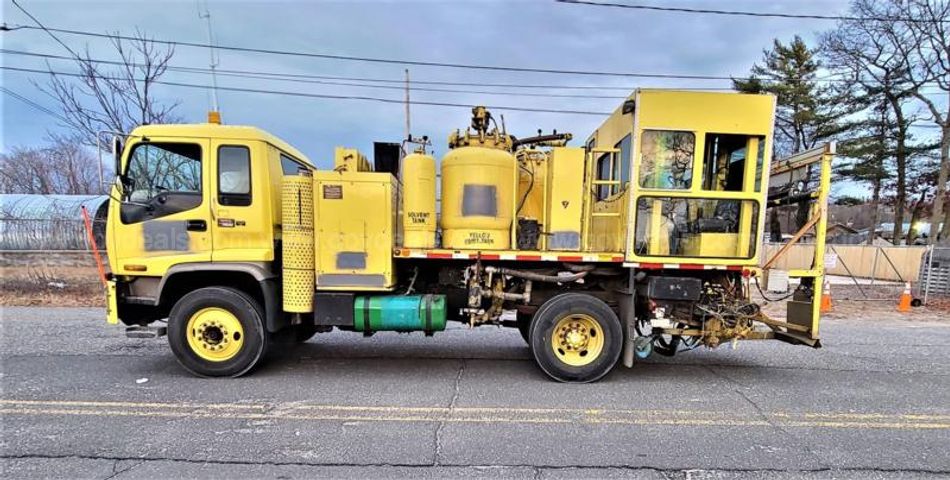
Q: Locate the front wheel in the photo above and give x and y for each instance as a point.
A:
(217, 332)
(576, 338)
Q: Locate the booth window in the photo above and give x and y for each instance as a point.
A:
(623, 165)
(760, 163)
(666, 159)
(696, 227)
(603, 173)
(724, 162)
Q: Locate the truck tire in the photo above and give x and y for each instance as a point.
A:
(576, 338)
(217, 332)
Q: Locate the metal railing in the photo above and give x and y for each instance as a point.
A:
(934, 279)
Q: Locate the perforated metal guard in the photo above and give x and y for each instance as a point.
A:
(297, 243)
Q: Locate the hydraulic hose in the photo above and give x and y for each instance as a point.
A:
(606, 272)
(537, 276)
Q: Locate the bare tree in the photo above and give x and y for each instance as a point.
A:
(929, 54)
(62, 167)
(114, 99)
(867, 52)
(920, 191)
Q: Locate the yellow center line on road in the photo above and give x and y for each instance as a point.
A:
(87, 403)
(356, 413)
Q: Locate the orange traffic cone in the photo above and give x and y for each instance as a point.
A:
(825, 297)
(904, 304)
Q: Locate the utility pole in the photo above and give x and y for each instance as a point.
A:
(408, 125)
(214, 116)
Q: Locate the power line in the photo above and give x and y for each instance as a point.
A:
(43, 27)
(399, 62)
(31, 103)
(280, 77)
(324, 96)
(331, 80)
(707, 11)
(288, 76)
(668, 76)
(360, 79)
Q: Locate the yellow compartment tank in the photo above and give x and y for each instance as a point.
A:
(418, 200)
(479, 182)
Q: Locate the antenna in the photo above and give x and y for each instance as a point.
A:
(408, 126)
(205, 14)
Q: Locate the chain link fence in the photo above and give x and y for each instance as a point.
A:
(50, 222)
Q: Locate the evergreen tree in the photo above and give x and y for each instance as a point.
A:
(807, 113)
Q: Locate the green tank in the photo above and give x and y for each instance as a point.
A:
(399, 313)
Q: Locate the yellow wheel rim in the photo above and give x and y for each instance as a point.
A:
(215, 334)
(577, 339)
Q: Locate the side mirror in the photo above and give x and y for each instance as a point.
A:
(628, 107)
(117, 154)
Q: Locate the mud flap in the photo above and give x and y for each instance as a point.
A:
(628, 317)
(112, 304)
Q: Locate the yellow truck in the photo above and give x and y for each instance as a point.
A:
(645, 239)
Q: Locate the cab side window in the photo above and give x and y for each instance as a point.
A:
(234, 176)
(163, 167)
(161, 179)
(291, 166)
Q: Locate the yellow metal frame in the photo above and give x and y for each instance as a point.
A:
(721, 113)
(590, 196)
(818, 214)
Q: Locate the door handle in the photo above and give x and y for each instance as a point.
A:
(196, 225)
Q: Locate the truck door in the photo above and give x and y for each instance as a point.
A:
(243, 223)
(165, 209)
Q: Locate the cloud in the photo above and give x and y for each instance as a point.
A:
(525, 33)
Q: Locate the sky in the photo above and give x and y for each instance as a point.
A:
(534, 34)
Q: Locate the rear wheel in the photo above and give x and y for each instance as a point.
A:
(217, 332)
(576, 338)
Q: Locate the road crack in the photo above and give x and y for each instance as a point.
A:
(737, 387)
(437, 457)
(115, 467)
(669, 472)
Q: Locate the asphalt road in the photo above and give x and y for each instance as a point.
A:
(874, 403)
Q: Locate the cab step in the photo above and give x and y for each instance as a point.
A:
(144, 331)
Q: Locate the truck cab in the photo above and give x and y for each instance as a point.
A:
(195, 205)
